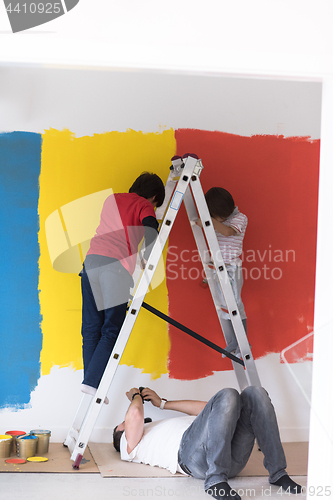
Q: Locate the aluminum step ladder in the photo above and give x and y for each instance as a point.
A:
(183, 185)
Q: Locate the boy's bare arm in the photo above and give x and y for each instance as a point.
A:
(185, 406)
(134, 420)
(223, 229)
(220, 227)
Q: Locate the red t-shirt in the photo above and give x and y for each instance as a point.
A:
(120, 230)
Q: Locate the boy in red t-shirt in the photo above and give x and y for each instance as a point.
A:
(106, 277)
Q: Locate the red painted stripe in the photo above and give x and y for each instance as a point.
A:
(274, 181)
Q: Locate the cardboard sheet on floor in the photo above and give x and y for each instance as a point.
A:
(58, 461)
(110, 465)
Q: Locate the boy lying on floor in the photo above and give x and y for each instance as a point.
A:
(213, 442)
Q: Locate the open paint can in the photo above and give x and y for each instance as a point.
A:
(15, 435)
(5, 445)
(43, 440)
(26, 446)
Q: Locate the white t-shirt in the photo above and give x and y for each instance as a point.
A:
(232, 246)
(159, 444)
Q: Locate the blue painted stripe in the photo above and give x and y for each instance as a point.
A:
(20, 332)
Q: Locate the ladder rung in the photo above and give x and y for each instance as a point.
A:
(70, 443)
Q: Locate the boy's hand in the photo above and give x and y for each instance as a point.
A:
(198, 223)
(143, 263)
(147, 393)
(131, 392)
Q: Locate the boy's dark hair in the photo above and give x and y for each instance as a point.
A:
(220, 202)
(116, 438)
(117, 434)
(149, 186)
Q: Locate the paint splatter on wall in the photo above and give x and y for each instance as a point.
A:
(274, 181)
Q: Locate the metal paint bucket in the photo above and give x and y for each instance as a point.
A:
(15, 435)
(43, 440)
(5, 445)
(26, 446)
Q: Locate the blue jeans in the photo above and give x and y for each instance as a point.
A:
(235, 276)
(105, 286)
(219, 442)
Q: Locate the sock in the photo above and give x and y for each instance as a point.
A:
(222, 491)
(288, 485)
(87, 389)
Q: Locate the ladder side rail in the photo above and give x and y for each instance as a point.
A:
(169, 189)
(222, 275)
(242, 377)
(176, 171)
(142, 288)
(216, 256)
(161, 211)
(205, 256)
(81, 412)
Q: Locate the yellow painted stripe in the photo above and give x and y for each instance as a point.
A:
(72, 168)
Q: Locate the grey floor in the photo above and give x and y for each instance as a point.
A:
(42, 486)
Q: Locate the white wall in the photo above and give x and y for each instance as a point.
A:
(88, 102)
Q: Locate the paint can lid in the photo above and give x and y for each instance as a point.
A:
(39, 432)
(15, 461)
(37, 459)
(16, 433)
(4, 437)
(27, 436)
